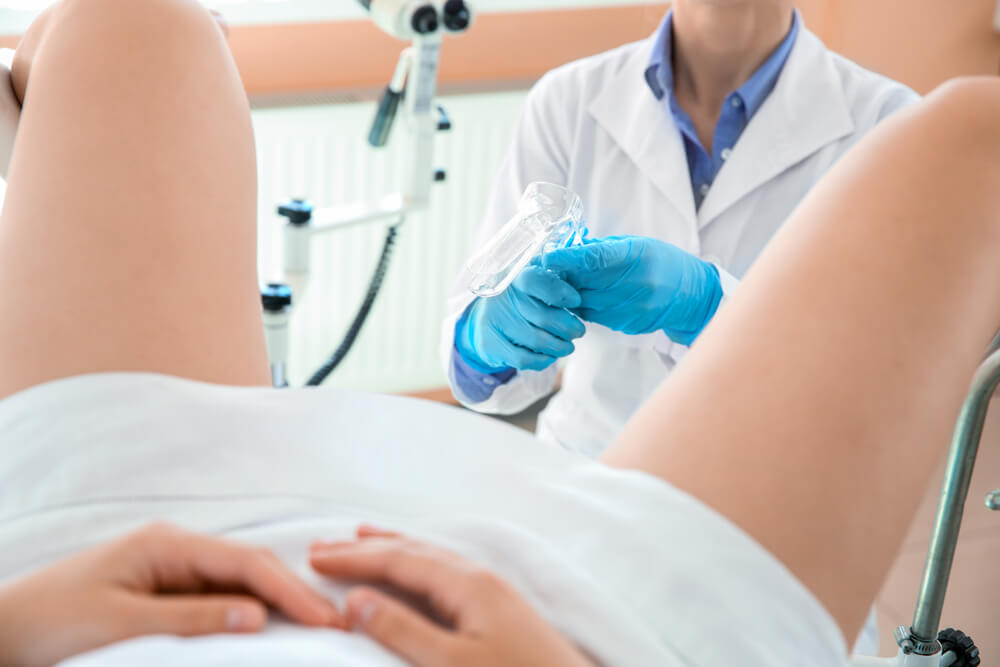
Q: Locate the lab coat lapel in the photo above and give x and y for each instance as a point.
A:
(806, 111)
(643, 128)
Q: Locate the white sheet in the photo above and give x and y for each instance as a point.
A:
(634, 571)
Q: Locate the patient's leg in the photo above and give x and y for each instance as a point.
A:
(813, 411)
(127, 240)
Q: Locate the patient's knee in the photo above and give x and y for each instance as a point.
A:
(131, 45)
(138, 22)
(969, 109)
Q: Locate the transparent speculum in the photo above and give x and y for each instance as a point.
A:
(548, 217)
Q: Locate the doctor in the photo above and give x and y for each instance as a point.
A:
(695, 144)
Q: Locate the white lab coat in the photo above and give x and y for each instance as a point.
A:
(595, 126)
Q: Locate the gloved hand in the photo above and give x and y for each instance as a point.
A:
(639, 285)
(526, 327)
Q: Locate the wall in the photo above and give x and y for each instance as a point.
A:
(919, 42)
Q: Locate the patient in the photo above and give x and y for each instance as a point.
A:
(717, 530)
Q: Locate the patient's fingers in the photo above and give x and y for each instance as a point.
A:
(365, 530)
(489, 622)
(442, 577)
(402, 630)
(185, 562)
(188, 616)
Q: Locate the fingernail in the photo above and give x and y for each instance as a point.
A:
(328, 611)
(242, 619)
(364, 612)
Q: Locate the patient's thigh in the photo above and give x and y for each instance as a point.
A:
(812, 411)
(127, 239)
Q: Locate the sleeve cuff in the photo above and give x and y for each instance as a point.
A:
(475, 386)
(728, 282)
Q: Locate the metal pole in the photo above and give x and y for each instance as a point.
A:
(995, 345)
(941, 552)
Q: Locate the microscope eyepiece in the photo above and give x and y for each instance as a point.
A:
(425, 20)
(456, 15)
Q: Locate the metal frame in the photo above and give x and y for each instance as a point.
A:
(918, 644)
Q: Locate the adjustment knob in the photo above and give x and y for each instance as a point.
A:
(298, 211)
(961, 645)
(276, 297)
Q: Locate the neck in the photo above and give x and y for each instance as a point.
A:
(719, 44)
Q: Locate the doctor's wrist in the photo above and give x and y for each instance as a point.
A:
(467, 351)
(684, 327)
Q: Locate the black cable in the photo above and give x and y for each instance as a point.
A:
(359, 320)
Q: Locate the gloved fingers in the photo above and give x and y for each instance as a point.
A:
(539, 341)
(602, 317)
(557, 321)
(630, 323)
(546, 286)
(523, 359)
(619, 298)
(590, 315)
(562, 324)
(590, 265)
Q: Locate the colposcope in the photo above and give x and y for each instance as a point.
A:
(409, 98)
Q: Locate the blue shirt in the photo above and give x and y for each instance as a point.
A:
(737, 110)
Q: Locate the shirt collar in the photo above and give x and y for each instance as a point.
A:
(660, 75)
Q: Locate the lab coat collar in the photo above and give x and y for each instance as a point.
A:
(806, 111)
(643, 128)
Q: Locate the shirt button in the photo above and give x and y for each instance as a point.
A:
(726, 152)
(736, 102)
(703, 189)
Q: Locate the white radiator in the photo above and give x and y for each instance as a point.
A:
(320, 152)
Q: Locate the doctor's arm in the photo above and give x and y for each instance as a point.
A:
(158, 580)
(499, 354)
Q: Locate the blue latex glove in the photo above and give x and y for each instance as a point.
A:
(639, 285)
(526, 327)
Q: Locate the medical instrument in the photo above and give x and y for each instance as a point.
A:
(922, 643)
(413, 87)
(548, 217)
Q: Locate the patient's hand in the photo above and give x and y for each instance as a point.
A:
(488, 623)
(156, 581)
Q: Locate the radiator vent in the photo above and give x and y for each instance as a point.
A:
(309, 99)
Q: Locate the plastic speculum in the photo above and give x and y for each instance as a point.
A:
(548, 217)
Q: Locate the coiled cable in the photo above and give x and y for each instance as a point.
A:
(351, 336)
